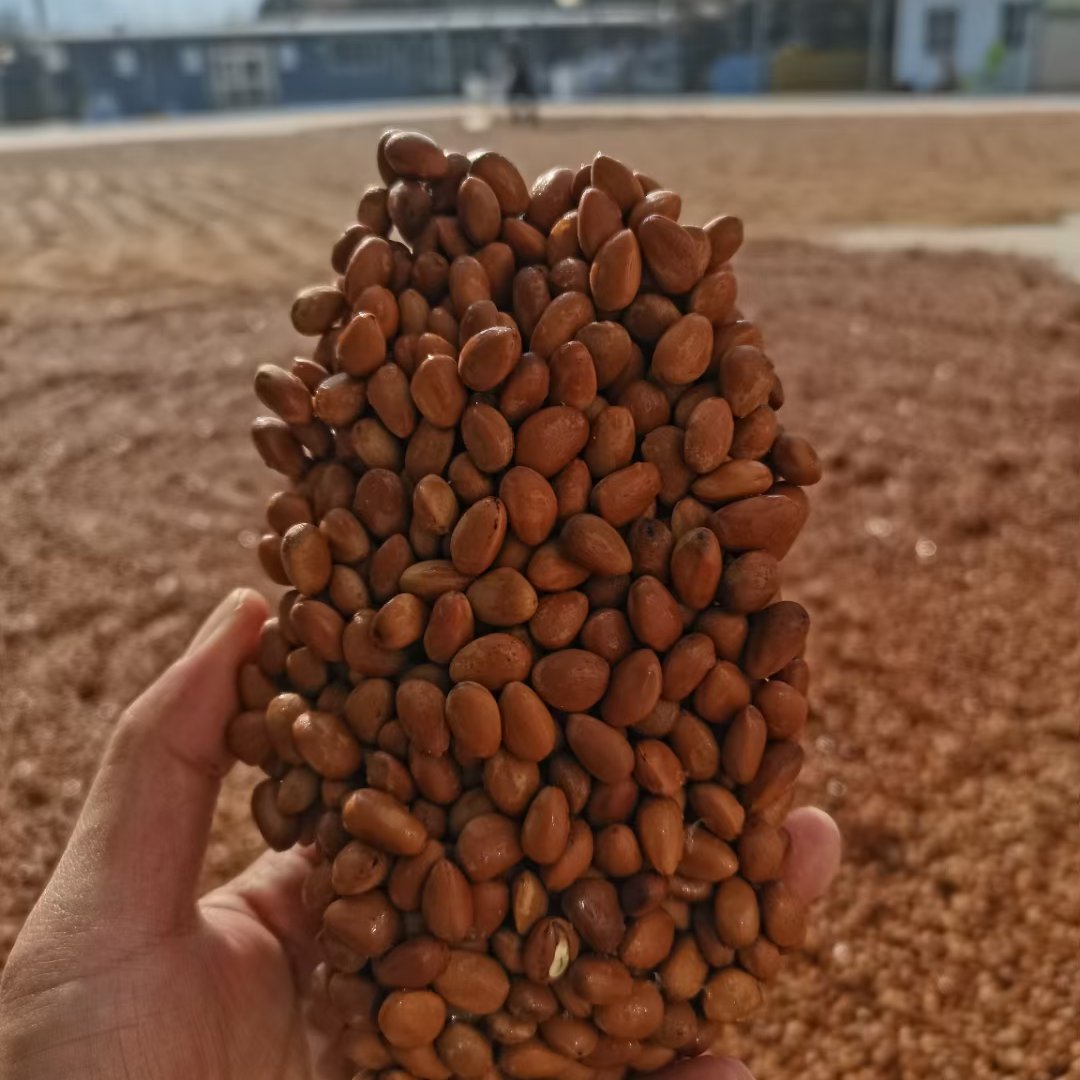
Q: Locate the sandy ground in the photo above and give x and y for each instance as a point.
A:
(140, 286)
(113, 225)
(478, 114)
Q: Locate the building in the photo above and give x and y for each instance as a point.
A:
(642, 46)
(1056, 66)
(965, 44)
(830, 45)
(314, 52)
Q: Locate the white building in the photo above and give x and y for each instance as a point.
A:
(1057, 49)
(970, 44)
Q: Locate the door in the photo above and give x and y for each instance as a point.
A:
(243, 75)
(942, 24)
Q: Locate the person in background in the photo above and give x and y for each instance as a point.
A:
(524, 102)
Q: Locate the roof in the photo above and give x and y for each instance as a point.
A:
(441, 19)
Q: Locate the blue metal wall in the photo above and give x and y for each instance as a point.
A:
(157, 85)
(310, 69)
(173, 76)
(361, 67)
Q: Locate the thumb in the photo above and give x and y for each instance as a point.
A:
(706, 1067)
(135, 855)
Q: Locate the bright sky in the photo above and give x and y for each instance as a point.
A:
(77, 15)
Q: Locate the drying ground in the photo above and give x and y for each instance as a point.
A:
(141, 285)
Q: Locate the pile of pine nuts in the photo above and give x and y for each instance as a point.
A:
(532, 692)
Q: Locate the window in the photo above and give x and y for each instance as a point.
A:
(288, 56)
(350, 53)
(941, 31)
(125, 63)
(1014, 24)
(55, 58)
(191, 60)
(242, 74)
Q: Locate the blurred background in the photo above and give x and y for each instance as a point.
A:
(909, 174)
(123, 58)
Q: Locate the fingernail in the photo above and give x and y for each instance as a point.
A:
(221, 616)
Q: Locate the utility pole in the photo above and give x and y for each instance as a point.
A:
(1033, 33)
(759, 34)
(44, 79)
(876, 59)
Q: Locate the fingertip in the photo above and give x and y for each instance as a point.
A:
(247, 610)
(735, 1070)
(250, 611)
(227, 639)
(813, 858)
(251, 600)
(189, 705)
(237, 617)
(707, 1067)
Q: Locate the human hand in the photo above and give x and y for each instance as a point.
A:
(120, 971)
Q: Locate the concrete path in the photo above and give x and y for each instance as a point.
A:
(280, 122)
(1058, 242)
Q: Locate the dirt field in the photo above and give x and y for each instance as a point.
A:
(140, 286)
